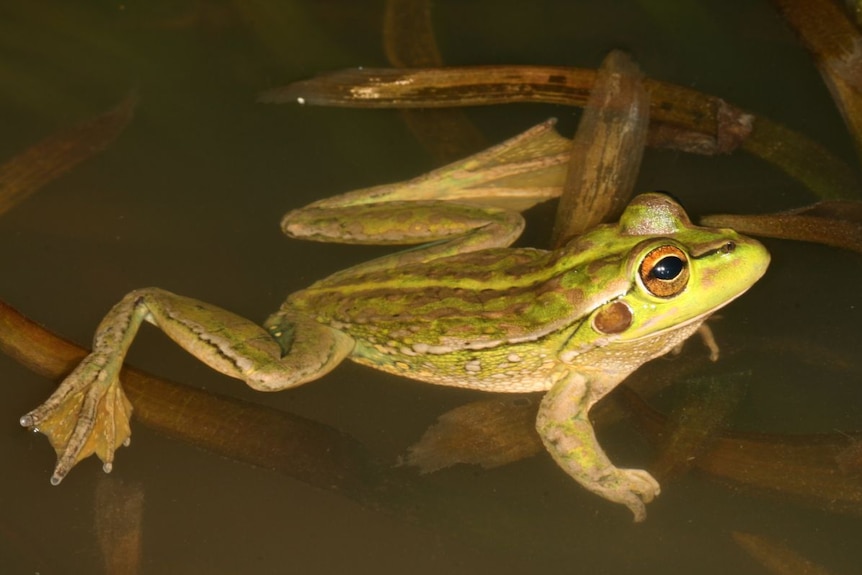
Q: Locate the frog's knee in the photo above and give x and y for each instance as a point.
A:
(264, 381)
(311, 354)
(286, 376)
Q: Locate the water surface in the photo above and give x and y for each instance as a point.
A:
(189, 199)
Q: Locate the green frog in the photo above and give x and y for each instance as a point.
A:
(463, 310)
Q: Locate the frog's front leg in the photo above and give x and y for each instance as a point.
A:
(89, 413)
(565, 429)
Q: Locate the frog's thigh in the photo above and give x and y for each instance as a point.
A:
(292, 352)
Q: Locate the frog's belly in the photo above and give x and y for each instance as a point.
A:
(515, 368)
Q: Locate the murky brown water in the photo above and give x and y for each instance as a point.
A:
(189, 199)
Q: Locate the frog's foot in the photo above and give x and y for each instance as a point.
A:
(634, 488)
(88, 414)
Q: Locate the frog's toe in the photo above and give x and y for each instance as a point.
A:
(642, 483)
(634, 488)
(636, 506)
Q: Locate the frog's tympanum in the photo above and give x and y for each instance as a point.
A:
(464, 310)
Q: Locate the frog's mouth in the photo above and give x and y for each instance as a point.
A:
(698, 318)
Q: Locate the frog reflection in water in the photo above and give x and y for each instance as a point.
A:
(464, 310)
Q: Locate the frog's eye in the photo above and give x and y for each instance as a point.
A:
(664, 271)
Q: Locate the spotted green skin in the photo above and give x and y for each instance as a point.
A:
(514, 320)
(518, 320)
(465, 311)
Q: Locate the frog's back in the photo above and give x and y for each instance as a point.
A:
(470, 320)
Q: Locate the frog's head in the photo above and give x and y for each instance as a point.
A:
(676, 273)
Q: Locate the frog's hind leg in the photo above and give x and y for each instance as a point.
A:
(289, 350)
(309, 350)
(89, 413)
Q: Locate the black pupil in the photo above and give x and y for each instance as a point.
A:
(668, 268)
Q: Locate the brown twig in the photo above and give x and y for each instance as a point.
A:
(43, 162)
(680, 117)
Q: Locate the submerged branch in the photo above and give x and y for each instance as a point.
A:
(832, 223)
(606, 151)
(47, 160)
(681, 118)
(409, 42)
(836, 44)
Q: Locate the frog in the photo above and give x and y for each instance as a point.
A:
(463, 309)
